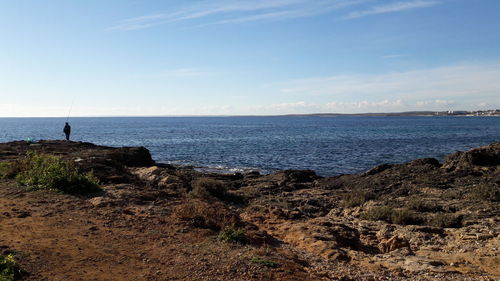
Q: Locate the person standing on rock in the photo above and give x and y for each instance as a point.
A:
(67, 130)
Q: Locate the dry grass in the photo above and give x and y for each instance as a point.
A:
(203, 214)
(209, 189)
(357, 198)
(487, 192)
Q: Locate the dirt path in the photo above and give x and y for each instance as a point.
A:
(61, 237)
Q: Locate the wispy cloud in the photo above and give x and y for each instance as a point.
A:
(174, 73)
(386, 105)
(225, 11)
(441, 83)
(396, 56)
(391, 8)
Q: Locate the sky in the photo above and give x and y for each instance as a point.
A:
(247, 57)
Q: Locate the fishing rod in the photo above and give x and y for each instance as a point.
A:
(70, 108)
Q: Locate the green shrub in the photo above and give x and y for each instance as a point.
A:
(232, 234)
(446, 220)
(264, 262)
(9, 270)
(487, 192)
(43, 171)
(357, 198)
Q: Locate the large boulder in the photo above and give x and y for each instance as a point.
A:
(485, 156)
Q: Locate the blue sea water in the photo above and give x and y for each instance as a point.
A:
(328, 145)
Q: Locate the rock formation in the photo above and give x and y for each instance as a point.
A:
(420, 220)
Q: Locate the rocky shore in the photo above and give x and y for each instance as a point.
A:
(422, 220)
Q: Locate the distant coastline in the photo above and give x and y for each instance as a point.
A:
(428, 113)
(492, 112)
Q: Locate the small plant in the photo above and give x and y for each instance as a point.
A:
(7, 170)
(404, 217)
(446, 220)
(43, 171)
(357, 198)
(487, 192)
(378, 213)
(420, 205)
(214, 215)
(232, 234)
(265, 262)
(207, 188)
(4, 169)
(9, 270)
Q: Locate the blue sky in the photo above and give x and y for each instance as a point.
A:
(232, 57)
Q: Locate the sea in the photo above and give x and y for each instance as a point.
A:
(328, 145)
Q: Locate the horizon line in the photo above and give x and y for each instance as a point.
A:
(256, 115)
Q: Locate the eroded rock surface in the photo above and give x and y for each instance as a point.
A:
(420, 220)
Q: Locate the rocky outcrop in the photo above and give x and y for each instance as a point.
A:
(486, 156)
(417, 219)
(107, 163)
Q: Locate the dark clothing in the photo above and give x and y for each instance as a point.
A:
(67, 130)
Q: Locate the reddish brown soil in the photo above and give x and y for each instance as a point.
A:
(62, 237)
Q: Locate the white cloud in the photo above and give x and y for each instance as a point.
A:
(302, 107)
(366, 106)
(429, 103)
(464, 81)
(391, 8)
(237, 11)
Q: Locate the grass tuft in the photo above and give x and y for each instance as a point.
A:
(381, 213)
(207, 188)
(446, 220)
(357, 198)
(202, 214)
(232, 234)
(7, 170)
